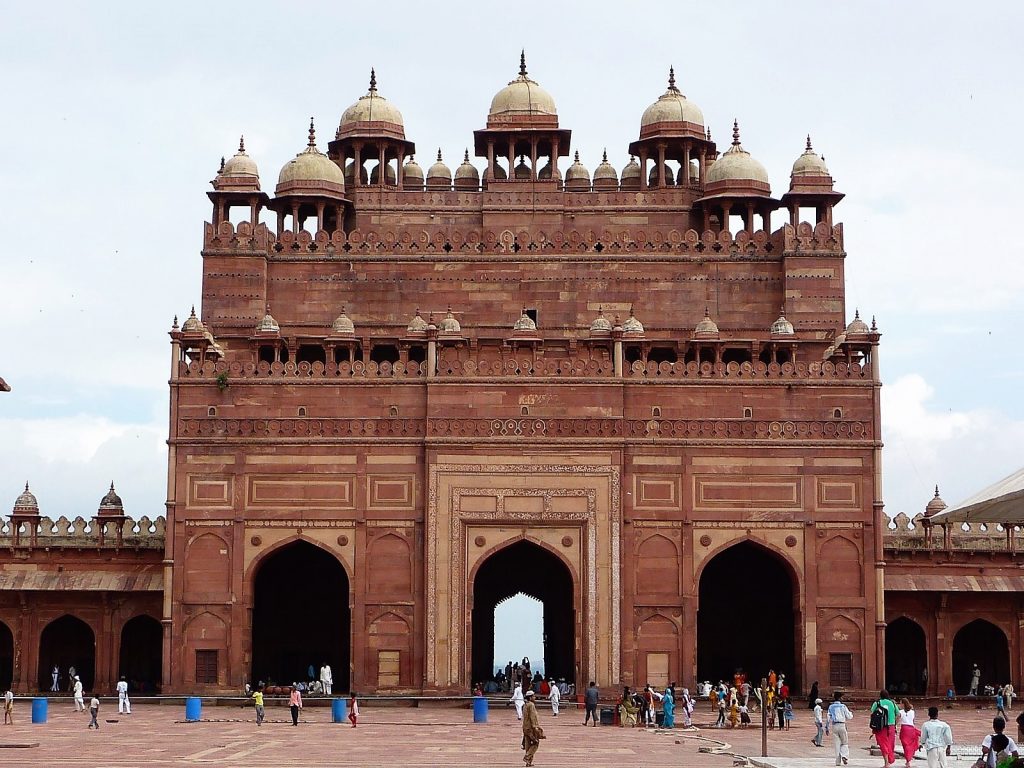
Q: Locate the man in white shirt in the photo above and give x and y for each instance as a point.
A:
(326, 679)
(79, 695)
(819, 722)
(936, 738)
(124, 706)
(554, 696)
(992, 747)
(838, 715)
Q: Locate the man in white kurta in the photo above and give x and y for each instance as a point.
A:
(518, 700)
(326, 679)
(124, 706)
(554, 697)
(79, 695)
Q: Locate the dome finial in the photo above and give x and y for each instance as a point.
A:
(241, 144)
(709, 133)
(856, 314)
(808, 147)
(26, 486)
(522, 63)
(466, 158)
(439, 154)
(735, 132)
(604, 155)
(874, 328)
(577, 158)
(221, 164)
(312, 134)
(373, 80)
(936, 490)
(672, 78)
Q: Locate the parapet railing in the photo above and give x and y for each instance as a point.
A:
(82, 532)
(509, 367)
(906, 533)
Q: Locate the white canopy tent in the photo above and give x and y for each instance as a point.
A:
(1001, 502)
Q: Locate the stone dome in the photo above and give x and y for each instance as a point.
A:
(193, 324)
(311, 172)
(522, 96)
(268, 324)
(857, 327)
(412, 169)
(736, 164)
(389, 175)
(652, 177)
(809, 163)
(449, 325)
(601, 323)
(240, 164)
(524, 323)
(632, 325)
(342, 325)
(111, 501)
(577, 171)
(706, 328)
(605, 171)
(671, 107)
(631, 171)
(26, 503)
(417, 324)
(522, 170)
(439, 174)
(782, 326)
(370, 109)
(467, 174)
(545, 172)
(936, 504)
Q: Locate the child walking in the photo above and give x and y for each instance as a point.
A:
(353, 709)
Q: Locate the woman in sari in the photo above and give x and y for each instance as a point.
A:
(910, 736)
(668, 706)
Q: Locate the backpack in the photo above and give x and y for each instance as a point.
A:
(878, 718)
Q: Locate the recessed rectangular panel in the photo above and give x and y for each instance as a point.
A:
(759, 492)
(837, 494)
(390, 491)
(657, 492)
(209, 491)
(326, 490)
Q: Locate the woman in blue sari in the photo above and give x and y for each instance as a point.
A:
(668, 706)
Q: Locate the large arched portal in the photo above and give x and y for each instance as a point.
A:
(746, 616)
(6, 656)
(983, 643)
(906, 656)
(300, 616)
(141, 653)
(67, 642)
(525, 567)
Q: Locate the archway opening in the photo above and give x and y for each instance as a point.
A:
(906, 657)
(300, 616)
(518, 632)
(983, 643)
(67, 642)
(745, 627)
(6, 656)
(141, 655)
(525, 567)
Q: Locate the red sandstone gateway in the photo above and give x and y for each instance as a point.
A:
(409, 395)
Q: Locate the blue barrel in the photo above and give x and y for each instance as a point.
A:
(40, 706)
(479, 709)
(193, 709)
(339, 710)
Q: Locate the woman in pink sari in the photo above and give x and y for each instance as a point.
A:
(910, 735)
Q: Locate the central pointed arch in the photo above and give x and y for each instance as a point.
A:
(67, 642)
(301, 615)
(747, 611)
(528, 568)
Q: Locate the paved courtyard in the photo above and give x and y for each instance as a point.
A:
(413, 738)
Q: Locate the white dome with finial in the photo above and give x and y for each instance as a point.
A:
(857, 327)
(268, 324)
(26, 503)
(809, 163)
(467, 171)
(706, 328)
(736, 164)
(371, 108)
(439, 173)
(935, 505)
(522, 96)
(342, 325)
(310, 172)
(605, 171)
(577, 171)
(417, 324)
(240, 164)
(524, 323)
(782, 326)
(601, 323)
(449, 325)
(632, 326)
(193, 324)
(672, 107)
(412, 169)
(632, 170)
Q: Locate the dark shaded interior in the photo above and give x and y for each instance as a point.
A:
(6, 656)
(530, 569)
(300, 616)
(745, 616)
(906, 656)
(982, 643)
(67, 642)
(141, 655)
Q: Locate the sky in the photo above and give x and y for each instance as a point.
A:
(117, 115)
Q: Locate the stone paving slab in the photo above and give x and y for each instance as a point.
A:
(409, 738)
